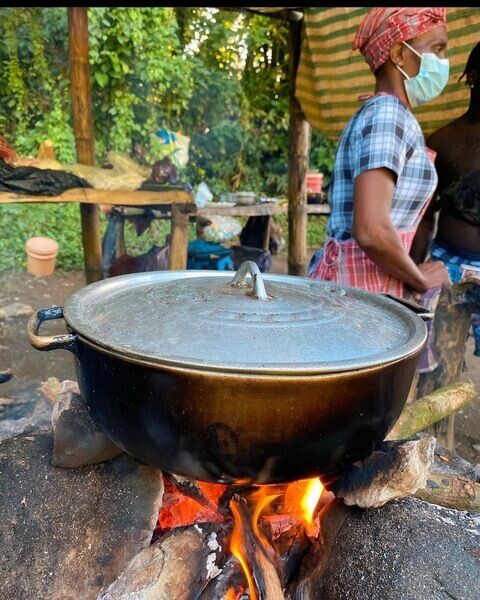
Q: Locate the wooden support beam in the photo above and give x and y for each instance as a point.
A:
(83, 129)
(298, 150)
(179, 237)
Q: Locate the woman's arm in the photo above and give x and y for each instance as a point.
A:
(375, 234)
(424, 235)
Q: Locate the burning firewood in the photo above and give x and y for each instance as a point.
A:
(229, 582)
(258, 556)
(190, 488)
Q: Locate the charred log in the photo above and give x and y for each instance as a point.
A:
(260, 559)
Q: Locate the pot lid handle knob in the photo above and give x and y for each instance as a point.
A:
(258, 289)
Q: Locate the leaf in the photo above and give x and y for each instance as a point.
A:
(101, 78)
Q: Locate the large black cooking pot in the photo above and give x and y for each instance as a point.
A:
(221, 380)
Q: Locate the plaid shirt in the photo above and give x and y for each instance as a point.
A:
(383, 133)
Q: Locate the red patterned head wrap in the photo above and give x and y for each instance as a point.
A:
(384, 26)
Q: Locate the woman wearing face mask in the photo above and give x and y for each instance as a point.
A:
(384, 176)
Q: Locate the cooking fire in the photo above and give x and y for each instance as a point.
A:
(259, 516)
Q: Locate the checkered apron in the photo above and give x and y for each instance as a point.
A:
(347, 263)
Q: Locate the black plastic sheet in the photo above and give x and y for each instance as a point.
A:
(37, 182)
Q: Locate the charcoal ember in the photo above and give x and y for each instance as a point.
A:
(78, 441)
(231, 578)
(290, 545)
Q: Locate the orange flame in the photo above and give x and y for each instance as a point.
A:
(301, 500)
(261, 502)
(310, 499)
(237, 548)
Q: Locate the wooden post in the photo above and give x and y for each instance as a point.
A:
(120, 248)
(266, 234)
(451, 323)
(179, 237)
(83, 129)
(298, 149)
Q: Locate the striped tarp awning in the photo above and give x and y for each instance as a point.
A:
(331, 75)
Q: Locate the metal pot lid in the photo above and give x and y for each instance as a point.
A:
(207, 320)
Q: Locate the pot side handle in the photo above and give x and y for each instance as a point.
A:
(51, 342)
(5, 376)
(418, 309)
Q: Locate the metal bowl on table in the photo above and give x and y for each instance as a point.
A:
(245, 198)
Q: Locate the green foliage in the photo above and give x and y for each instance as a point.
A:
(34, 96)
(18, 222)
(322, 155)
(219, 77)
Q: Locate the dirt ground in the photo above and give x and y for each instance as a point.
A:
(31, 367)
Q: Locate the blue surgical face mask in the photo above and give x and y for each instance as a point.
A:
(430, 79)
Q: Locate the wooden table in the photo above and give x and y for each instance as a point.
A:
(178, 205)
(109, 197)
(181, 215)
(167, 200)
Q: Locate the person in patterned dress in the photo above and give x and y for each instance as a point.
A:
(384, 176)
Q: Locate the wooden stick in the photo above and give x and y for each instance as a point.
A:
(190, 488)
(263, 571)
(428, 410)
(451, 491)
(285, 14)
